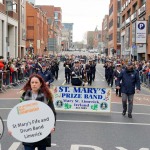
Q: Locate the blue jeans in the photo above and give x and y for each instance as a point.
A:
(27, 147)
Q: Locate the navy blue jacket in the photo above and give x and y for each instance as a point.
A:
(130, 80)
(47, 76)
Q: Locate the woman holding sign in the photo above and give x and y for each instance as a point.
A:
(36, 89)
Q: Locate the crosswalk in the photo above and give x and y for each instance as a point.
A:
(18, 146)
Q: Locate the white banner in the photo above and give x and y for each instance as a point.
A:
(141, 31)
(82, 99)
(30, 121)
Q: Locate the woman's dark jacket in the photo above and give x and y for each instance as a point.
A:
(40, 97)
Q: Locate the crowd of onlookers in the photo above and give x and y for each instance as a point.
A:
(142, 67)
(13, 71)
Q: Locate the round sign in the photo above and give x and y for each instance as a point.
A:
(1, 127)
(30, 121)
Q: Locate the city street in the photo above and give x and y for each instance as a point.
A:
(90, 131)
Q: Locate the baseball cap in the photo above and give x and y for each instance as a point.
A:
(129, 63)
(43, 65)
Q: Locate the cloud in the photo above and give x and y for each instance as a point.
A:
(85, 14)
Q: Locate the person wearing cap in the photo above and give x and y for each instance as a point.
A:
(116, 74)
(88, 70)
(67, 65)
(46, 74)
(130, 79)
(76, 74)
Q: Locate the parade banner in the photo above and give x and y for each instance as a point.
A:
(1, 127)
(30, 121)
(82, 99)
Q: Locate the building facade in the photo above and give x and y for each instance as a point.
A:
(69, 27)
(37, 29)
(97, 43)
(105, 35)
(21, 28)
(54, 17)
(9, 28)
(135, 13)
(114, 44)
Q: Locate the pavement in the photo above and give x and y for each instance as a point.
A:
(142, 99)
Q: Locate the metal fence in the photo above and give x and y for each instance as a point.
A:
(145, 80)
(11, 79)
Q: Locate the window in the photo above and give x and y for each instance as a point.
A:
(110, 37)
(56, 15)
(111, 10)
(119, 6)
(118, 21)
(118, 37)
(149, 25)
(111, 23)
(2, 1)
(14, 7)
(22, 14)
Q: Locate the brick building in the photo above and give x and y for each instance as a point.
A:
(37, 29)
(54, 16)
(132, 12)
(105, 35)
(9, 28)
(114, 44)
(97, 41)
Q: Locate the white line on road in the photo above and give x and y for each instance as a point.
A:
(100, 122)
(121, 148)
(104, 122)
(113, 112)
(14, 146)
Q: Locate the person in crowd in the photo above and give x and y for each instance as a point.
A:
(55, 68)
(36, 89)
(116, 74)
(93, 69)
(88, 70)
(106, 69)
(130, 79)
(46, 75)
(68, 66)
(110, 72)
(1, 63)
(76, 74)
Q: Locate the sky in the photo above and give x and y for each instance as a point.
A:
(85, 14)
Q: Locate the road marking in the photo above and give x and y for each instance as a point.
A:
(113, 112)
(63, 82)
(77, 147)
(14, 146)
(144, 149)
(52, 144)
(100, 122)
(121, 148)
(104, 122)
(120, 103)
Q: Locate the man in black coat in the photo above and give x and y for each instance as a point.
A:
(130, 79)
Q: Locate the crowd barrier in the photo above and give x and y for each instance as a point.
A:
(11, 79)
(145, 80)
